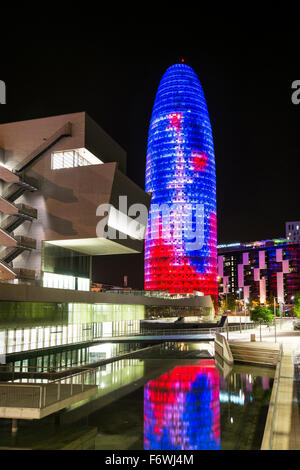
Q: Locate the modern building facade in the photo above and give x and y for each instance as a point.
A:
(181, 239)
(260, 270)
(292, 231)
(61, 179)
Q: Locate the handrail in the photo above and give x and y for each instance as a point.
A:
(278, 373)
(222, 341)
(85, 338)
(41, 399)
(63, 131)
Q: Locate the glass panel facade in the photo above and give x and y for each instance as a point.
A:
(59, 260)
(181, 251)
(60, 281)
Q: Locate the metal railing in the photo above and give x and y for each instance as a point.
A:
(91, 332)
(61, 335)
(41, 395)
(198, 331)
(271, 428)
(276, 397)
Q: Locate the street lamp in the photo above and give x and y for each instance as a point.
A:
(239, 292)
(292, 300)
(245, 307)
(275, 317)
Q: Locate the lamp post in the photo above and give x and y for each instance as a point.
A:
(292, 299)
(245, 308)
(275, 316)
(239, 292)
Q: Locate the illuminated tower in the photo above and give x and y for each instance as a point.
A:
(181, 238)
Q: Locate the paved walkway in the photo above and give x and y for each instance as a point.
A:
(286, 424)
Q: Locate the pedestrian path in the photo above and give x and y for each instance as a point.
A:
(283, 424)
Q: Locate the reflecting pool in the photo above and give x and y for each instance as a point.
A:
(189, 406)
(168, 398)
(182, 409)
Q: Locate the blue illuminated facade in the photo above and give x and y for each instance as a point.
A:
(181, 255)
(182, 409)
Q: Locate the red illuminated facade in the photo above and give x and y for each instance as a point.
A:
(181, 247)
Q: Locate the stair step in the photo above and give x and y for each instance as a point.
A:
(265, 354)
(6, 272)
(26, 241)
(22, 244)
(7, 175)
(249, 361)
(253, 348)
(7, 207)
(25, 213)
(270, 356)
(255, 351)
(14, 193)
(6, 239)
(23, 273)
(25, 209)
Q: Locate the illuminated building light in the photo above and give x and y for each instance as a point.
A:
(121, 222)
(60, 281)
(180, 171)
(73, 158)
(233, 398)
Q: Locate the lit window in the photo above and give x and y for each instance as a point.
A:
(59, 281)
(83, 284)
(73, 158)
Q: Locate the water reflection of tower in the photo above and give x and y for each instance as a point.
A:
(181, 409)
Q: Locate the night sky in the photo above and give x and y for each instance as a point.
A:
(247, 84)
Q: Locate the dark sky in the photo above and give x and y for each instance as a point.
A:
(247, 83)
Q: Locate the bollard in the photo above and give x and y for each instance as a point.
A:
(260, 330)
(14, 425)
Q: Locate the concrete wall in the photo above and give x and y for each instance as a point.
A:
(100, 144)
(27, 293)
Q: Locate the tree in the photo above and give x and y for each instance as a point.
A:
(262, 314)
(297, 304)
(230, 302)
(227, 302)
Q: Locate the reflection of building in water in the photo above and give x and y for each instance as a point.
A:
(79, 323)
(56, 359)
(242, 387)
(182, 409)
(118, 374)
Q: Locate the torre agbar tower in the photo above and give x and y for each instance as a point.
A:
(181, 237)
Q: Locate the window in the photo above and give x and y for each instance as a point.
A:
(73, 158)
(60, 281)
(83, 284)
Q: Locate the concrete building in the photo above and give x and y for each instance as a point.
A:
(260, 270)
(292, 231)
(55, 172)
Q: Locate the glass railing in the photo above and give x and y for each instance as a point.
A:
(153, 293)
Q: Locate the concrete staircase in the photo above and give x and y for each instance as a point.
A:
(263, 353)
(16, 214)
